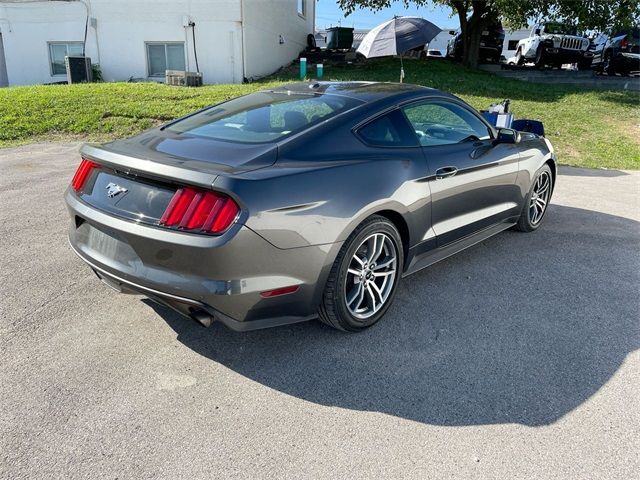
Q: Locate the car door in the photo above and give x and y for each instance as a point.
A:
(472, 181)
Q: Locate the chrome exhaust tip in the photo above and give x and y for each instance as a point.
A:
(202, 317)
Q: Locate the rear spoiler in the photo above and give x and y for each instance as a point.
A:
(161, 167)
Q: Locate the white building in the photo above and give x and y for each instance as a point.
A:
(234, 39)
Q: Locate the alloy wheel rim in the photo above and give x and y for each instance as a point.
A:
(371, 274)
(539, 197)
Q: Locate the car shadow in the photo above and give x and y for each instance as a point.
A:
(521, 328)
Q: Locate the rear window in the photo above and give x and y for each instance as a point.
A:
(263, 116)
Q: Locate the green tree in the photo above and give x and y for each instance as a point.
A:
(476, 15)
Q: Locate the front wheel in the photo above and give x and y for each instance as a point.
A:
(540, 61)
(537, 201)
(584, 64)
(519, 57)
(608, 64)
(364, 277)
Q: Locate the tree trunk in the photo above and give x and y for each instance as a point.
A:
(481, 17)
(473, 36)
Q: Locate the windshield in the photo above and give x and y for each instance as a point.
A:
(263, 116)
(559, 29)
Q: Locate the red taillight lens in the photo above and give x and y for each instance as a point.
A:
(279, 291)
(193, 209)
(83, 172)
(624, 43)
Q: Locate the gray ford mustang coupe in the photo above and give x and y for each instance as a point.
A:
(308, 200)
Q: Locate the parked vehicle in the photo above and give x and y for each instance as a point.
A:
(491, 44)
(618, 54)
(597, 45)
(307, 200)
(554, 44)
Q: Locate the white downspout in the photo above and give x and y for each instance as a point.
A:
(244, 48)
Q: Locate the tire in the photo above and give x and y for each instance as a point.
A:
(608, 64)
(519, 58)
(539, 60)
(584, 64)
(528, 221)
(343, 285)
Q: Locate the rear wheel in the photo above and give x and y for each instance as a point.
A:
(537, 201)
(364, 277)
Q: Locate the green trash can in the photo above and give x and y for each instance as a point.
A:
(339, 38)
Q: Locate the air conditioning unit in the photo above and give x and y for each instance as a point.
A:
(78, 69)
(183, 79)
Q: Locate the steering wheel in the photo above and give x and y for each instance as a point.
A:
(437, 132)
(469, 138)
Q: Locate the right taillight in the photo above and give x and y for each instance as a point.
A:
(82, 174)
(198, 210)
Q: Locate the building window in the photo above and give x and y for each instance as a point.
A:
(59, 50)
(164, 56)
(302, 8)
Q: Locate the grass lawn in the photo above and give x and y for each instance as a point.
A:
(589, 128)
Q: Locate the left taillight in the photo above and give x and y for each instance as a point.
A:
(82, 173)
(201, 211)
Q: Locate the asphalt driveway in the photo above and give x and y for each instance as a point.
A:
(517, 358)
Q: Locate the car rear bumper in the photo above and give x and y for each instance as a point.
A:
(197, 274)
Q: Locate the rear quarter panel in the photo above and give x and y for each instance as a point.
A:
(325, 183)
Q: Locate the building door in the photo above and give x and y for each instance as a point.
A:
(4, 80)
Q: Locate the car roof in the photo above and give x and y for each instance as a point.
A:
(364, 91)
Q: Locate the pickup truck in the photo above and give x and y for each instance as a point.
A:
(553, 43)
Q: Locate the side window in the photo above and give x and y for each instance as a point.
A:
(57, 52)
(164, 56)
(444, 123)
(390, 130)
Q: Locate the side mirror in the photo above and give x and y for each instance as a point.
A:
(537, 32)
(507, 135)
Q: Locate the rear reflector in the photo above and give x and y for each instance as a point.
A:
(280, 291)
(83, 172)
(192, 209)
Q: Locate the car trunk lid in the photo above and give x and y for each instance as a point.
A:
(137, 178)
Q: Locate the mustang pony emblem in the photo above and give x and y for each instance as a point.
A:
(114, 190)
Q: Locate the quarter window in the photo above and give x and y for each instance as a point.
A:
(390, 130)
(444, 123)
(302, 7)
(164, 56)
(59, 50)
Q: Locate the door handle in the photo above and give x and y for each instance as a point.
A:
(445, 172)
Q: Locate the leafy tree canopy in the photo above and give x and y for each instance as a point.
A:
(588, 14)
